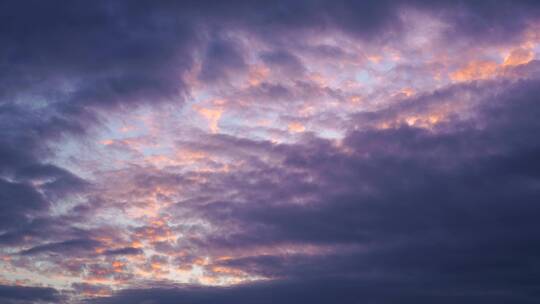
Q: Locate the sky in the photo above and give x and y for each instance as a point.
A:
(256, 152)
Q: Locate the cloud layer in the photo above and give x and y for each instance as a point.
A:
(253, 152)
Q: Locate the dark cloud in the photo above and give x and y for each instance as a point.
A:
(286, 61)
(55, 182)
(223, 57)
(28, 295)
(487, 21)
(124, 251)
(484, 21)
(91, 289)
(18, 202)
(76, 246)
(371, 289)
(67, 43)
(281, 20)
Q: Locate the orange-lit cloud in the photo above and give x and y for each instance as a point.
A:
(296, 127)
(212, 115)
(519, 56)
(476, 70)
(258, 74)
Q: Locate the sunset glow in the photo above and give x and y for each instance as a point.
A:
(176, 152)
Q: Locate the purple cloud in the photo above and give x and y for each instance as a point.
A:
(250, 152)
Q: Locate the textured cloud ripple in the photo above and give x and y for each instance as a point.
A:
(178, 152)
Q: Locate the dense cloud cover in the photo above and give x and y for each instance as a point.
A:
(269, 152)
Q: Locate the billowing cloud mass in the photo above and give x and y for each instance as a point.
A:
(207, 152)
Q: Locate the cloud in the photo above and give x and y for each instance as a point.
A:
(124, 251)
(399, 195)
(18, 202)
(76, 246)
(28, 295)
(289, 63)
(371, 289)
(485, 21)
(223, 57)
(429, 196)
